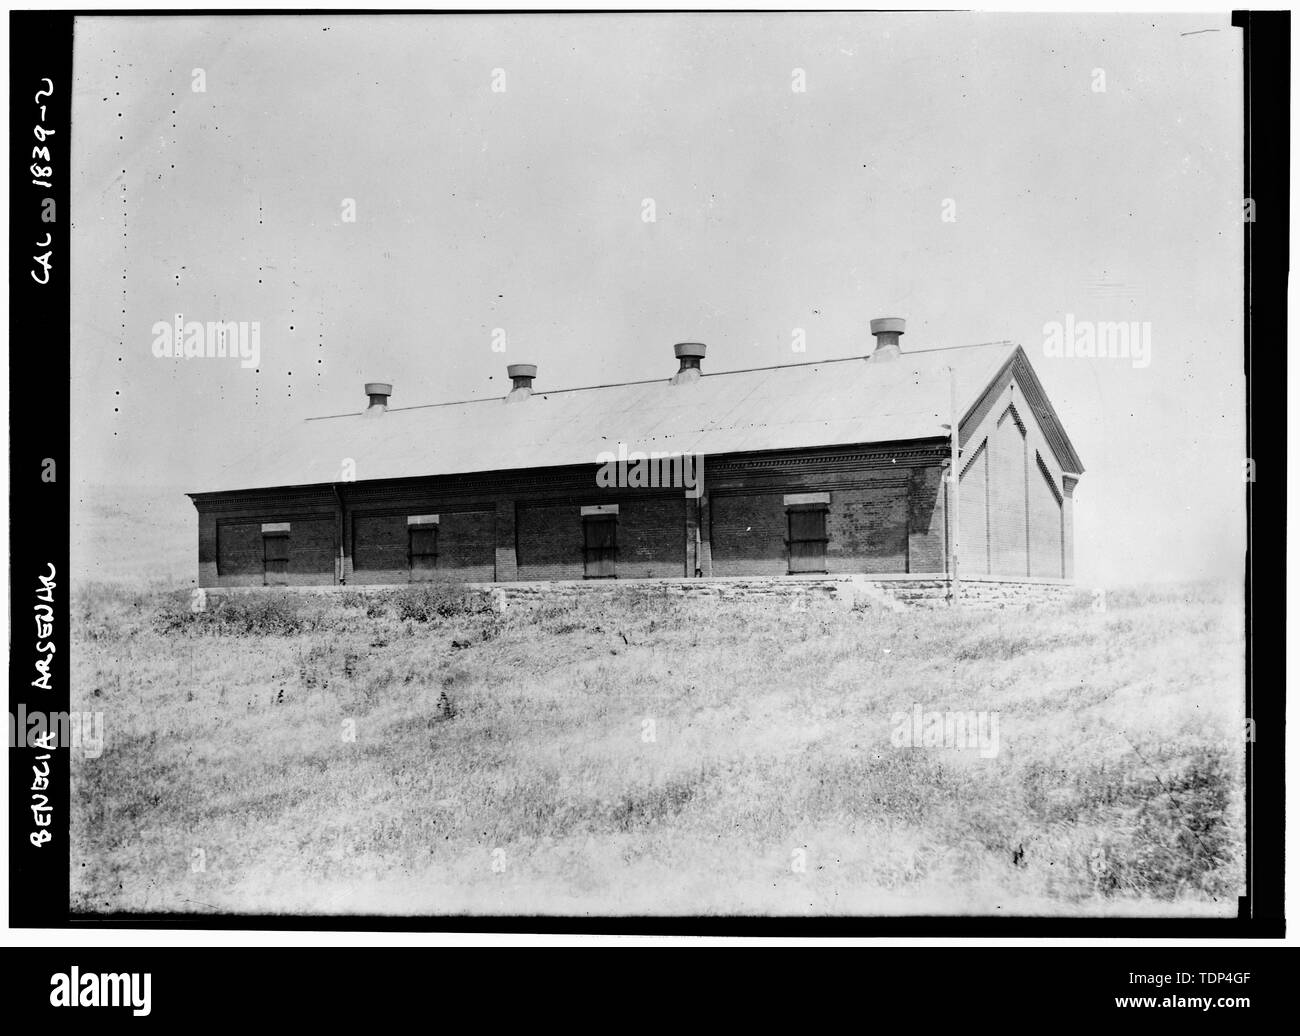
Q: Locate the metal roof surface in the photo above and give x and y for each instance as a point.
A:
(827, 403)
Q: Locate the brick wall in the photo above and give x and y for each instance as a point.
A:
(1044, 523)
(886, 515)
(748, 533)
(692, 509)
(650, 537)
(312, 549)
(895, 523)
(973, 541)
(927, 549)
(1008, 523)
(240, 552)
(207, 549)
(548, 538)
(466, 547)
(1068, 484)
(507, 566)
(867, 529)
(380, 549)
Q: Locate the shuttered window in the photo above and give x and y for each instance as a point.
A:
(423, 551)
(807, 538)
(599, 546)
(275, 557)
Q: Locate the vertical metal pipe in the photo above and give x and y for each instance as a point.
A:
(954, 474)
(340, 556)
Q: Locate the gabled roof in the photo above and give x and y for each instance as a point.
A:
(1018, 366)
(826, 403)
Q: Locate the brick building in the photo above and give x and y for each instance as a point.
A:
(833, 466)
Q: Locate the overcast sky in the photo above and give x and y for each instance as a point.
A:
(774, 210)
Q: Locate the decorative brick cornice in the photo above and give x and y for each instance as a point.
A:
(1018, 368)
(276, 501)
(1048, 422)
(479, 489)
(798, 466)
(975, 455)
(1015, 416)
(811, 485)
(1047, 474)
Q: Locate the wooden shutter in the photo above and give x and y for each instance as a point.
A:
(600, 534)
(807, 539)
(275, 558)
(424, 552)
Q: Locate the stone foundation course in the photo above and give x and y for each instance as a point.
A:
(844, 591)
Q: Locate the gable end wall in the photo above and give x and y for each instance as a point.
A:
(1016, 508)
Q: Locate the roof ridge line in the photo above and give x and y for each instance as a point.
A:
(653, 381)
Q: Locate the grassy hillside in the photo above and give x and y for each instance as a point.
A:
(640, 755)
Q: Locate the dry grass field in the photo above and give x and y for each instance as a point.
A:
(416, 752)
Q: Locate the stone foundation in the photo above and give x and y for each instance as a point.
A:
(890, 593)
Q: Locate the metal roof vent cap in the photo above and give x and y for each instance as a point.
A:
(689, 355)
(887, 331)
(521, 380)
(378, 391)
